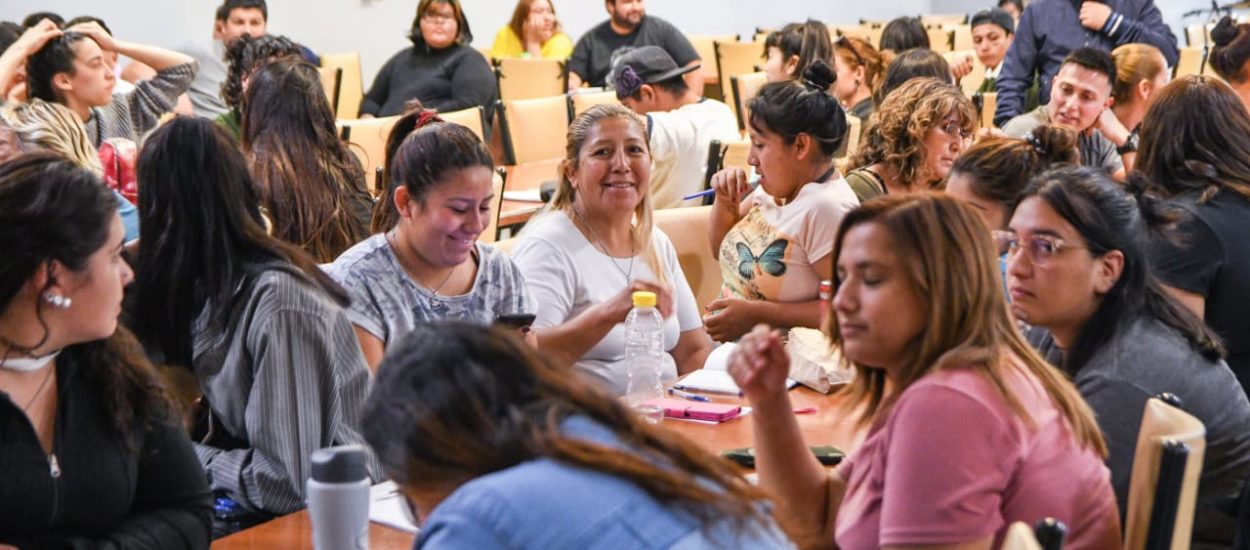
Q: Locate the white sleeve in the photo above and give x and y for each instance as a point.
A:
(549, 278)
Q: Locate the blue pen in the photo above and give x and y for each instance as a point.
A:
(707, 192)
(688, 396)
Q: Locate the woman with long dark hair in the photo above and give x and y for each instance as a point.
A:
(790, 51)
(244, 55)
(441, 68)
(262, 328)
(1078, 272)
(94, 451)
(493, 442)
(311, 185)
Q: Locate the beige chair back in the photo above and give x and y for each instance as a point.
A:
(963, 37)
(943, 19)
(736, 155)
(972, 81)
(530, 78)
(351, 88)
(687, 228)
(491, 233)
(989, 104)
(746, 87)
(1020, 537)
(940, 39)
(580, 101)
(870, 34)
(705, 46)
(737, 58)
(368, 141)
(1163, 424)
(535, 129)
(470, 118)
(854, 127)
(331, 78)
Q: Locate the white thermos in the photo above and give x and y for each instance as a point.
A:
(338, 498)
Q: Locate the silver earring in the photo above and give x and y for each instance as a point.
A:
(57, 301)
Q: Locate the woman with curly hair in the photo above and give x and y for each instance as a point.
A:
(913, 139)
(244, 55)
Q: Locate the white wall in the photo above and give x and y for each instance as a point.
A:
(376, 28)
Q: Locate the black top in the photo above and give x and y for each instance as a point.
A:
(450, 79)
(1146, 358)
(1213, 260)
(592, 56)
(105, 495)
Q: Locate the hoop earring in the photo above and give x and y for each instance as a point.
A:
(57, 301)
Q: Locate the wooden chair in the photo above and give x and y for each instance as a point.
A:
(870, 34)
(705, 45)
(534, 129)
(351, 88)
(367, 138)
(1163, 486)
(470, 118)
(1190, 62)
(941, 40)
(1020, 537)
(939, 20)
(737, 58)
(745, 87)
(987, 103)
(854, 128)
(687, 228)
(580, 101)
(331, 80)
(962, 37)
(530, 78)
(736, 155)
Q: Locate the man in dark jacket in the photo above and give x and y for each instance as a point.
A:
(1050, 29)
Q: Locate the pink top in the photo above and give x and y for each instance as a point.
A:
(952, 463)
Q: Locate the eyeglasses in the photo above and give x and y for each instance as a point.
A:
(953, 128)
(434, 17)
(1040, 248)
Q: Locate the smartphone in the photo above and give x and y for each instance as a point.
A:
(515, 320)
(826, 454)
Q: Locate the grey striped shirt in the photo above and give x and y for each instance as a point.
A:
(133, 113)
(287, 377)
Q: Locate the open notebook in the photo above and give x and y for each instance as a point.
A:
(714, 376)
(386, 506)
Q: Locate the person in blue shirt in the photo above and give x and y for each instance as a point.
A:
(497, 447)
(1050, 29)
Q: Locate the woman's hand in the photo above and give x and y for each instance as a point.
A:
(536, 31)
(729, 318)
(617, 308)
(731, 187)
(95, 32)
(961, 68)
(35, 37)
(760, 364)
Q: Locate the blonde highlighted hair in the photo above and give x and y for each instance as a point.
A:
(947, 255)
(896, 130)
(45, 126)
(566, 194)
(1133, 64)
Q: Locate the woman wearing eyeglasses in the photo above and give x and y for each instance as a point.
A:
(913, 139)
(1078, 272)
(441, 69)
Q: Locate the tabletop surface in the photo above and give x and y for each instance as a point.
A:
(829, 425)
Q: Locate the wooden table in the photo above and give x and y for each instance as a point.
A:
(525, 177)
(827, 426)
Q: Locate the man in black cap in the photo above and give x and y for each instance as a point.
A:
(629, 25)
(680, 122)
(992, 31)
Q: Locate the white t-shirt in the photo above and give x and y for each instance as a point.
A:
(566, 275)
(768, 254)
(679, 142)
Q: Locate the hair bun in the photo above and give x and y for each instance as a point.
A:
(819, 75)
(1224, 32)
(1054, 144)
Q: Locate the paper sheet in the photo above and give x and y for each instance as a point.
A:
(386, 506)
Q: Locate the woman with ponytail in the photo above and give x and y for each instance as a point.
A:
(1195, 152)
(423, 261)
(1078, 272)
(773, 242)
(1230, 54)
(991, 175)
(860, 68)
(496, 446)
(790, 51)
(584, 260)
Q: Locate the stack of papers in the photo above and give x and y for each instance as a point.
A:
(714, 376)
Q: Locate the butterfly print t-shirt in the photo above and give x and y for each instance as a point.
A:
(768, 254)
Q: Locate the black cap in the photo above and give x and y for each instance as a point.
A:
(645, 65)
(995, 16)
(342, 464)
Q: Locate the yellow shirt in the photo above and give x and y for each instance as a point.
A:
(508, 44)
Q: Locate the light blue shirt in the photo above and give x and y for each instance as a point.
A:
(130, 217)
(546, 504)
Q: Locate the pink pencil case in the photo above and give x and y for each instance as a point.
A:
(680, 408)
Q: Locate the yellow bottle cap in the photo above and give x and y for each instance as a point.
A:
(643, 298)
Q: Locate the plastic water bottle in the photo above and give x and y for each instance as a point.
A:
(644, 349)
(338, 498)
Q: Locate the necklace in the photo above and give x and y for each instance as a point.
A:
(390, 240)
(39, 391)
(629, 275)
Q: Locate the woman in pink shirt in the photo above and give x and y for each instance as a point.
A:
(969, 429)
